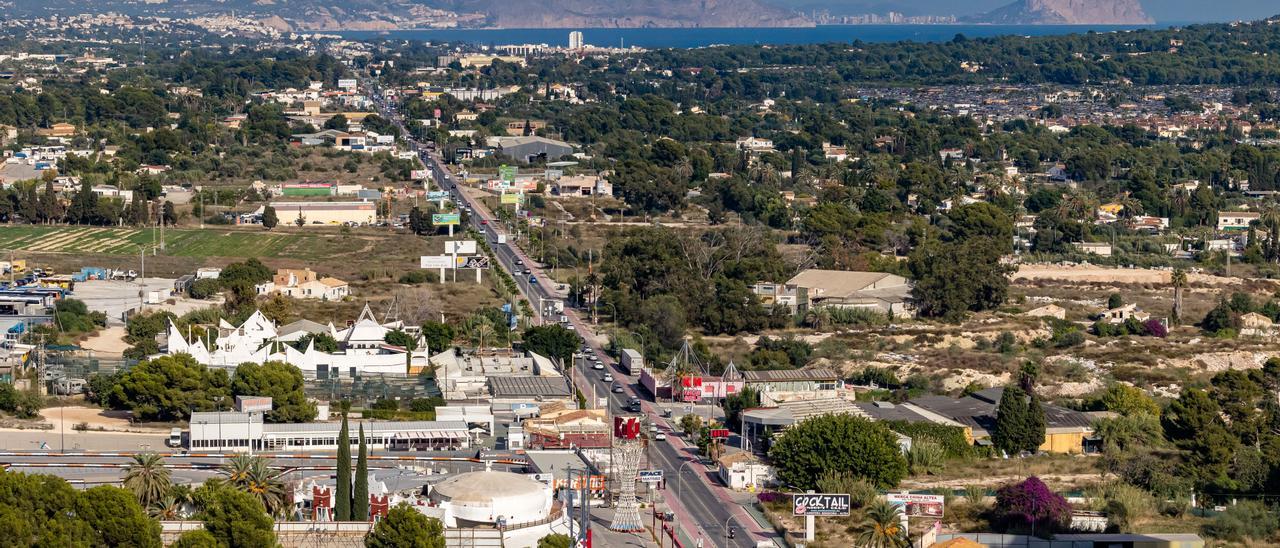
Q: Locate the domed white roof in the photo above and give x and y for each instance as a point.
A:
(485, 496)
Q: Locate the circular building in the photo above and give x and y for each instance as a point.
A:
(492, 498)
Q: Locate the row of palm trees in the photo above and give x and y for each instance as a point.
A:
(150, 480)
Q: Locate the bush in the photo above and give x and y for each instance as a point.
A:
(1126, 505)
(1031, 506)
(23, 405)
(925, 456)
(950, 438)
(414, 277)
(861, 492)
(421, 405)
(1249, 519)
(204, 288)
(882, 377)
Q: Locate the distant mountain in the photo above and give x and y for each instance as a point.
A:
(393, 14)
(1067, 12)
(628, 13)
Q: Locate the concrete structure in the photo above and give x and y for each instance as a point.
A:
(1236, 220)
(568, 429)
(304, 284)
(744, 471)
(1066, 430)
(492, 498)
(1101, 249)
(236, 431)
(1088, 540)
(581, 186)
(462, 375)
(363, 348)
(793, 380)
(1125, 313)
(525, 148)
(324, 213)
(813, 288)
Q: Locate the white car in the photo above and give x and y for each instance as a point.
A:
(608, 377)
(660, 437)
(597, 366)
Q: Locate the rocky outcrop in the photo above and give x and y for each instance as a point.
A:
(1067, 12)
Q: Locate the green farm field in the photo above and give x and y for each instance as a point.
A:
(210, 242)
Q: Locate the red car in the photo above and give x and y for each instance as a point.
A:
(484, 222)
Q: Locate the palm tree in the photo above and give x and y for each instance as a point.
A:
(1179, 281)
(147, 478)
(882, 527)
(253, 476)
(484, 331)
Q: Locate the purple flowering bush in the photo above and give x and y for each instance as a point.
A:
(1030, 506)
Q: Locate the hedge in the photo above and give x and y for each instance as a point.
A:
(951, 438)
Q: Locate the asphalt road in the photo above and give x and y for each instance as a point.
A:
(703, 506)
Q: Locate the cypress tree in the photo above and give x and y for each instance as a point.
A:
(1012, 421)
(342, 495)
(360, 496)
(1035, 424)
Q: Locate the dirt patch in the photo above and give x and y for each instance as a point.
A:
(107, 341)
(1099, 274)
(95, 420)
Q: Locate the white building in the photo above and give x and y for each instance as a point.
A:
(235, 431)
(364, 350)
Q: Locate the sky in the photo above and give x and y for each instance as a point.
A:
(1161, 10)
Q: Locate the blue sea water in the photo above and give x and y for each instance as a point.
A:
(700, 37)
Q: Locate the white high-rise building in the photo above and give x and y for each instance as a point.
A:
(575, 39)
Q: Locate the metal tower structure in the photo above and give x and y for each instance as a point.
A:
(627, 452)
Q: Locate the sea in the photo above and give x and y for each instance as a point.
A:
(655, 38)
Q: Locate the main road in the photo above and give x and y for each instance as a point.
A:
(704, 509)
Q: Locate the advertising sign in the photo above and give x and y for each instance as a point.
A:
(507, 173)
(437, 195)
(479, 262)
(650, 476)
(420, 174)
(347, 83)
(719, 433)
(436, 261)
(626, 427)
(253, 404)
(820, 504)
(460, 247)
(930, 506)
(441, 219)
(512, 198)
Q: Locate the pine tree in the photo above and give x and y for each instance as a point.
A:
(1020, 422)
(269, 218)
(342, 495)
(360, 496)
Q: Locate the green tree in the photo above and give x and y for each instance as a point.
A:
(1128, 400)
(116, 518)
(360, 494)
(196, 538)
(438, 335)
(1114, 300)
(882, 527)
(1019, 422)
(689, 424)
(839, 443)
(255, 476)
(342, 496)
(236, 519)
(555, 541)
(324, 342)
(958, 277)
(269, 218)
(551, 341)
(282, 382)
(168, 388)
(147, 478)
(404, 527)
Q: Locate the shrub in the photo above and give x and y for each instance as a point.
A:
(1031, 506)
(925, 456)
(1126, 504)
(414, 277)
(861, 492)
(1248, 519)
(950, 438)
(975, 495)
(204, 288)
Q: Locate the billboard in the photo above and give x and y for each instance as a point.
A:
(918, 506)
(626, 427)
(420, 174)
(253, 404)
(512, 198)
(719, 433)
(437, 194)
(347, 83)
(460, 247)
(507, 173)
(651, 476)
(441, 219)
(820, 504)
(436, 261)
(479, 262)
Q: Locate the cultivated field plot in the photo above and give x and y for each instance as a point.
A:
(178, 242)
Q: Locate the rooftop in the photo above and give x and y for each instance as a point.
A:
(783, 375)
(528, 387)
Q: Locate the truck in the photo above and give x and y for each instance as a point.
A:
(631, 361)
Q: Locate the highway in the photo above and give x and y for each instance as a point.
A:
(705, 513)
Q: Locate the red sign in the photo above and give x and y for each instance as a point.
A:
(719, 433)
(626, 427)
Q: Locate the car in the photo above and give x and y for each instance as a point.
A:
(533, 279)
(484, 221)
(617, 389)
(608, 377)
(660, 437)
(519, 262)
(634, 408)
(597, 366)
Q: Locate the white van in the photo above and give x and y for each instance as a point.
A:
(175, 438)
